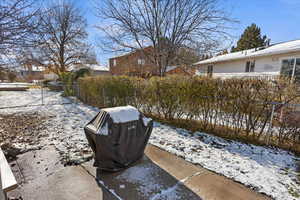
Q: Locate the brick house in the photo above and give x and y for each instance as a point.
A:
(137, 64)
(133, 63)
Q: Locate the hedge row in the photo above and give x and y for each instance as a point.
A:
(237, 106)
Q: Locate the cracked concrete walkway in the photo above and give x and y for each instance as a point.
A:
(159, 175)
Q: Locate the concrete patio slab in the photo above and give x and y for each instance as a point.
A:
(71, 183)
(41, 176)
(144, 181)
(161, 175)
(208, 185)
(214, 187)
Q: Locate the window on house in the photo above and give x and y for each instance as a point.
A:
(297, 70)
(250, 66)
(210, 69)
(291, 68)
(287, 67)
(141, 61)
(115, 62)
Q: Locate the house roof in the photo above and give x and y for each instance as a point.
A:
(275, 49)
(96, 67)
(35, 68)
(131, 52)
(170, 68)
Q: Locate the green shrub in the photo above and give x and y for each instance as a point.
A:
(108, 90)
(67, 79)
(236, 106)
(81, 73)
(11, 76)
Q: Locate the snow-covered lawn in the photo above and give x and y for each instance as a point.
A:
(15, 85)
(269, 171)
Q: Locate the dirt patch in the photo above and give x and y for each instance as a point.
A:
(21, 132)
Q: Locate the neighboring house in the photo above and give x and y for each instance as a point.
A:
(50, 76)
(274, 60)
(95, 69)
(133, 63)
(99, 69)
(32, 72)
(136, 63)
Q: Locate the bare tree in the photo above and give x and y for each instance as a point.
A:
(62, 37)
(166, 25)
(17, 24)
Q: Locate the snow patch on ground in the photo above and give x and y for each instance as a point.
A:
(151, 185)
(269, 171)
(144, 177)
(14, 85)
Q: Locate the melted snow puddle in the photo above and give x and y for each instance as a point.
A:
(154, 183)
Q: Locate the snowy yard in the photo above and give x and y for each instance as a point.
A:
(269, 171)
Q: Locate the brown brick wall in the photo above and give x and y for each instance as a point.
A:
(128, 64)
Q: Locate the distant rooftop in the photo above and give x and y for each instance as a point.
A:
(97, 67)
(275, 49)
(131, 52)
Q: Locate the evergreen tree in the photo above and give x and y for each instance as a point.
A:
(232, 49)
(251, 38)
(224, 52)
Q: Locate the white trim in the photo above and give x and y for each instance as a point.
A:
(141, 61)
(8, 180)
(245, 74)
(294, 67)
(276, 49)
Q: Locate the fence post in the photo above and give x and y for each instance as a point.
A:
(78, 90)
(42, 93)
(271, 124)
(103, 95)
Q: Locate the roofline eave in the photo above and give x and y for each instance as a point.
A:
(250, 56)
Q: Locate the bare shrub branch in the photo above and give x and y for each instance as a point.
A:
(166, 25)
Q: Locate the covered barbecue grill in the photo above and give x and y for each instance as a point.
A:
(118, 136)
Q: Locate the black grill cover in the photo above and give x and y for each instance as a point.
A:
(117, 145)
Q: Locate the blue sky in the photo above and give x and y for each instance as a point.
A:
(278, 19)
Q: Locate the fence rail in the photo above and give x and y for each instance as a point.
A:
(40, 95)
